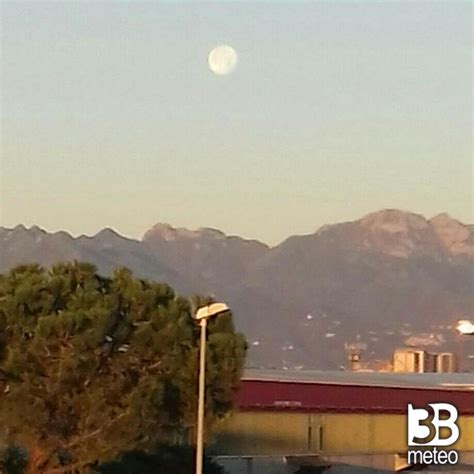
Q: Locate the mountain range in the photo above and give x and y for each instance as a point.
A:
(389, 278)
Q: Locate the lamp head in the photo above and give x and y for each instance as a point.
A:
(465, 327)
(210, 310)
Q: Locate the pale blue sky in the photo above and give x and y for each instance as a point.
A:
(111, 116)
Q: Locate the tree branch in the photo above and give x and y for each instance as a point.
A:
(95, 432)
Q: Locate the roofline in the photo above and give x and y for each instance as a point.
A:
(449, 388)
(332, 410)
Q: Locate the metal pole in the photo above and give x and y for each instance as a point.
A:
(202, 384)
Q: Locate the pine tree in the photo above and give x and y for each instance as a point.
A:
(91, 367)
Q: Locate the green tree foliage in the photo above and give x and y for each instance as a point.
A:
(14, 460)
(91, 367)
(164, 459)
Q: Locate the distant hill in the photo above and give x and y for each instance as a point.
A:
(106, 250)
(389, 277)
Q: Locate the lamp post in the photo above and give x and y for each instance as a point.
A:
(202, 315)
(464, 328)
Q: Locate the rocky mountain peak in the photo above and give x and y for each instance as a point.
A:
(107, 234)
(394, 221)
(166, 232)
(210, 232)
(20, 228)
(398, 233)
(35, 229)
(457, 238)
(21, 231)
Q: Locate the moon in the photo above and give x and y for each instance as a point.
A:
(222, 60)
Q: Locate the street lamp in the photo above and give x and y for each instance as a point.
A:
(463, 328)
(202, 315)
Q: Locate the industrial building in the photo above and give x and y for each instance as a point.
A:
(340, 421)
(408, 359)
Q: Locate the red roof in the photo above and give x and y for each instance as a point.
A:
(351, 396)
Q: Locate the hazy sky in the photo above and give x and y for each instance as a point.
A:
(111, 116)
